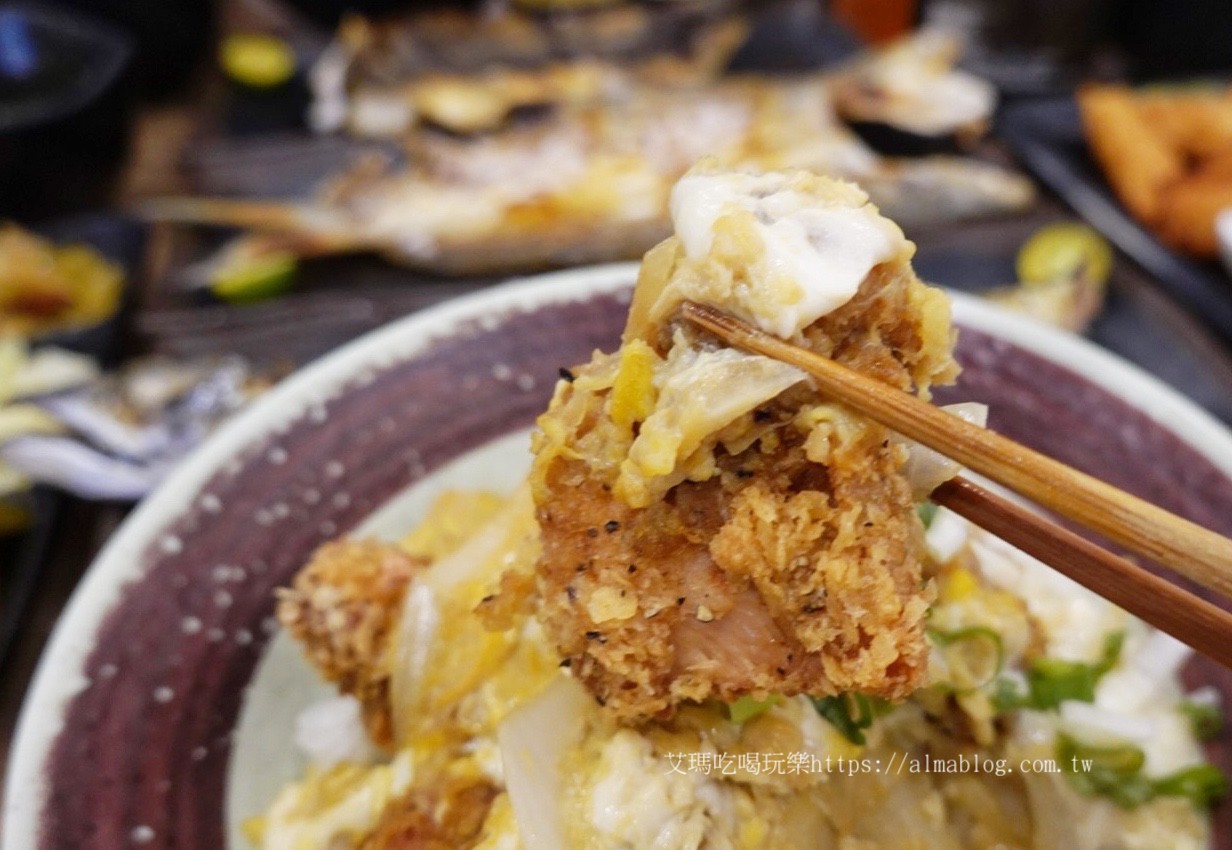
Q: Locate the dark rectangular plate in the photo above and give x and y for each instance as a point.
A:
(1138, 322)
(1047, 135)
(122, 241)
(22, 557)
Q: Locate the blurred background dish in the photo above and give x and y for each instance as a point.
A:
(1047, 133)
(586, 177)
(1167, 153)
(119, 242)
(29, 515)
(47, 289)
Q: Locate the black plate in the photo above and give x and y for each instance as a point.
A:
(21, 556)
(1138, 322)
(1047, 135)
(122, 241)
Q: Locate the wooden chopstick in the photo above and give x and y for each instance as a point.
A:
(1191, 550)
(1205, 627)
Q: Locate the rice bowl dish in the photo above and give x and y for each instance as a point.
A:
(475, 714)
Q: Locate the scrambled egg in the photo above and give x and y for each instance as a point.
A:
(343, 803)
(705, 780)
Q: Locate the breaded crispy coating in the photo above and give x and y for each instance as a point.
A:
(1138, 164)
(343, 607)
(779, 553)
(1196, 122)
(448, 815)
(1167, 153)
(1190, 208)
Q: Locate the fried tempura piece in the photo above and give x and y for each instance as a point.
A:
(1217, 166)
(343, 607)
(1136, 161)
(1189, 210)
(1168, 156)
(710, 526)
(447, 815)
(1196, 124)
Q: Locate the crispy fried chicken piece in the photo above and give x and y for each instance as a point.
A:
(343, 607)
(1138, 164)
(786, 558)
(445, 816)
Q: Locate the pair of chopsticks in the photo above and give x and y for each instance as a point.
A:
(1191, 550)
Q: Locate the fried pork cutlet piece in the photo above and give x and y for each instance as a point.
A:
(443, 816)
(343, 607)
(710, 526)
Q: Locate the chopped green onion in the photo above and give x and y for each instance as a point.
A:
(746, 708)
(1201, 784)
(1112, 772)
(851, 713)
(927, 512)
(1122, 759)
(1116, 773)
(1128, 792)
(1113, 644)
(973, 656)
(1006, 697)
(839, 711)
(1205, 719)
(1051, 681)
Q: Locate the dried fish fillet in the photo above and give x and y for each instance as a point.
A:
(592, 184)
(470, 73)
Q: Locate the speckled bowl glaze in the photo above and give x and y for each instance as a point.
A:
(128, 730)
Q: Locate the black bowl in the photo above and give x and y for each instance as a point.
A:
(889, 140)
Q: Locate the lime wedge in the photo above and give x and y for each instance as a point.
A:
(257, 60)
(1064, 251)
(255, 278)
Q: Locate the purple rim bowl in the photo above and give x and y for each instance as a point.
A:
(126, 733)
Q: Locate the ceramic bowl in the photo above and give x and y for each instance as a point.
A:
(159, 714)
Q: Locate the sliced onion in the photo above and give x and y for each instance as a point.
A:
(420, 617)
(533, 741)
(1096, 726)
(946, 535)
(926, 470)
(1161, 655)
(51, 370)
(1129, 688)
(332, 731)
(1205, 695)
